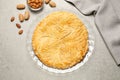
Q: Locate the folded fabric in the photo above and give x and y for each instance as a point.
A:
(107, 20)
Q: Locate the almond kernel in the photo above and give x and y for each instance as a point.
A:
(12, 19)
(21, 18)
(47, 1)
(20, 32)
(52, 4)
(18, 25)
(27, 15)
(20, 6)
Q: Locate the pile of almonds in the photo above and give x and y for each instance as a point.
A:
(35, 3)
(21, 17)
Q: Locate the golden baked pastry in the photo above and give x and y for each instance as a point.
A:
(60, 40)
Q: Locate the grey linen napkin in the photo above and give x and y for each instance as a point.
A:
(107, 20)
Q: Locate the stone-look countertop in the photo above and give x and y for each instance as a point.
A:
(17, 64)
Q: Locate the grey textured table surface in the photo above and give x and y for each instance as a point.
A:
(17, 64)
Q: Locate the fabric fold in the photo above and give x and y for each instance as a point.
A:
(89, 7)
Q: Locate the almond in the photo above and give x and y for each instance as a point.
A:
(27, 15)
(20, 32)
(20, 6)
(21, 18)
(18, 25)
(47, 1)
(12, 19)
(52, 4)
